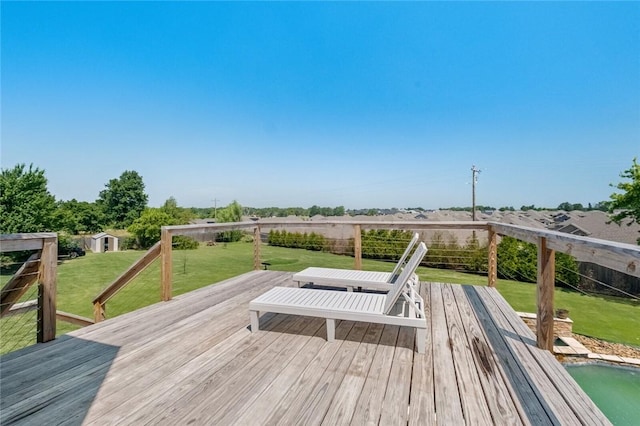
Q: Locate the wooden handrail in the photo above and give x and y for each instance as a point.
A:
(74, 319)
(140, 265)
(621, 257)
(32, 305)
(617, 256)
(22, 307)
(27, 241)
(19, 283)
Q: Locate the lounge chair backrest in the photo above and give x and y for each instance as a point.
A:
(404, 277)
(396, 271)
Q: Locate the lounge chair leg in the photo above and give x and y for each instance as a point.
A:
(255, 321)
(421, 339)
(331, 330)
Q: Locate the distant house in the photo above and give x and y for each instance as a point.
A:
(104, 242)
(206, 221)
(574, 229)
(561, 217)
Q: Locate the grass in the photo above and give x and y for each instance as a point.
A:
(81, 279)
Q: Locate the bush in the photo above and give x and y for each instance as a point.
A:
(147, 227)
(384, 244)
(518, 260)
(312, 241)
(445, 254)
(127, 243)
(181, 242)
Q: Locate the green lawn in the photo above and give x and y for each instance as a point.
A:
(81, 279)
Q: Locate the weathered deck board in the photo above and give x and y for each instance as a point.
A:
(502, 407)
(346, 398)
(583, 408)
(422, 409)
(472, 396)
(194, 360)
(448, 402)
(369, 405)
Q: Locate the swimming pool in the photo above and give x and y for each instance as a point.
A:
(615, 390)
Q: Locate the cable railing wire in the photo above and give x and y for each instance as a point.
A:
(19, 330)
(599, 283)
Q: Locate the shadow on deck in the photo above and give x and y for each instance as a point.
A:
(194, 360)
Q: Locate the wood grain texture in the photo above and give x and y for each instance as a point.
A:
(545, 292)
(47, 291)
(194, 360)
(19, 283)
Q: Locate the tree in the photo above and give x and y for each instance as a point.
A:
(338, 211)
(602, 206)
(76, 217)
(25, 202)
(123, 200)
(181, 215)
(147, 227)
(626, 205)
(231, 213)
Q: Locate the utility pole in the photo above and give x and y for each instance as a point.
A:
(474, 180)
(215, 208)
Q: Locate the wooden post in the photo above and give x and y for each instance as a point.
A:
(166, 265)
(493, 258)
(256, 248)
(99, 313)
(357, 246)
(545, 287)
(47, 279)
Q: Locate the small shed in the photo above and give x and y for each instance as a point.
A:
(104, 242)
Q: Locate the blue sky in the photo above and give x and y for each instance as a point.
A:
(360, 104)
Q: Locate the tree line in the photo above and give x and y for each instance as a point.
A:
(26, 205)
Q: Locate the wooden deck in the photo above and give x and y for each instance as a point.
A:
(193, 360)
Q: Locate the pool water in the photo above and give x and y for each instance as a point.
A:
(615, 390)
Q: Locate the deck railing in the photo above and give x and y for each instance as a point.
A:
(617, 256)
(41, 267)
(620, 257)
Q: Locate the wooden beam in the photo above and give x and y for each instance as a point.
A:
(621, 257)
(19, 283)
(22, 307)
(166, 267)
(73, 319)
(545, 290)
(20, 242)
(128, 275)
(387, 224)
(256, 248)
(47, 277)
(208, 227)
(492, 256)
(357, 246)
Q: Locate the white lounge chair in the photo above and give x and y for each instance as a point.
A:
(335, 305)
(352, 278)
